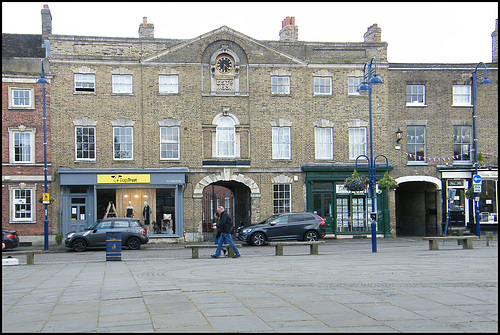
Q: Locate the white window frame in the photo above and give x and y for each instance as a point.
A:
(415, 95)
(84, 83)
(168, 84)
(413, 140)
(323, 140)
(122, 83)
(126, 153)
(280, 85)
(322, 85)
(21, 201)
(225, 137)
(353, 83)
(463, 142)
(357, 142)
(169, 143)
(281, 139)
(282, 198)
(12, 142)
(462, 95)
(13, 98)
(91, 140)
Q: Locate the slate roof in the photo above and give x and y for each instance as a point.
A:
(20, 45)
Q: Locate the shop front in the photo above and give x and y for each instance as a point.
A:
(154, 196)
(345, 213)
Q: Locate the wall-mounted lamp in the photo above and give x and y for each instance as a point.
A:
(399, 135)
(125, 196)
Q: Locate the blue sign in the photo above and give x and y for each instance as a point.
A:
(477, 179)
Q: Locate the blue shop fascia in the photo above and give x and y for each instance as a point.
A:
(86, 195)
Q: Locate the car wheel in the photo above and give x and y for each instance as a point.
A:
(134, 243)
(258, 239)
(311, 235)
(79, 245)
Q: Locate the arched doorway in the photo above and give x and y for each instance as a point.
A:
(233, 196)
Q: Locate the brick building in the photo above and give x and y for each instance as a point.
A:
(23, 177)
(260, 127)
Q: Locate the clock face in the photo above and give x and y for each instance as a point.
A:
(224, 64)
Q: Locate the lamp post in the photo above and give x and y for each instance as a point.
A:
(485, 80)
(43, 81)
(371, 80)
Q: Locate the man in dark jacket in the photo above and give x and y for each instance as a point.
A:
(225, 226)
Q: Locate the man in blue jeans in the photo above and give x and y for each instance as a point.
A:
(225, 224)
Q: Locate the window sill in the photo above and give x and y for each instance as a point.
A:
(417, 163)
(122, 94)
(84, 93)
(469, 106)
(416, 105)
(23, 108)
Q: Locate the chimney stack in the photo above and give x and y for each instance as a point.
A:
(494, 49)
(289, 31)
(46, 22)
(373, 34)
(146, 30)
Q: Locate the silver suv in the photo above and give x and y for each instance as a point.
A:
(132, 231)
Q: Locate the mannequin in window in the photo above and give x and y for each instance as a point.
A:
(130, 210)
(146, 214)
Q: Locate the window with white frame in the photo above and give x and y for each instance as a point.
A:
(280, 85)
(84, 82)
(169, 84)
(122, 83)
(169, 143)
(282, 198)
(416, 142)
(22, 204)
(85, 148)
(226, 137)
(323, 143)
(462, 95)
(357, 142)
(23, 143)
(352, 85)
(123, 143)
(462, 143)
(281, 143)
(21, 98)
(415, 95)
(323, 85)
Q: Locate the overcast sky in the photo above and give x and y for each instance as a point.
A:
(416, 32)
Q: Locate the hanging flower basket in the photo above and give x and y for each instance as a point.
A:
(387, 183)
(51, 200)
(356, 183)
(469, 194)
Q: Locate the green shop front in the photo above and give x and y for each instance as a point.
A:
(345, 212)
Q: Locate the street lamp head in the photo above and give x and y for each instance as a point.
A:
(376, 81)
(486, 81)
(364, 88)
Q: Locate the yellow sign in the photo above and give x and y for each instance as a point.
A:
(123, 178)
(46, 197)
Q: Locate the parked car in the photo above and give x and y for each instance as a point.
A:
(10, 238)
(133, 234)
(304, 226)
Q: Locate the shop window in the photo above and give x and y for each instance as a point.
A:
(488, 205)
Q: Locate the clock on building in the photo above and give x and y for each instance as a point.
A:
(224, 64)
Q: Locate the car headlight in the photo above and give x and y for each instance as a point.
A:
(70, 235)
(246, 231)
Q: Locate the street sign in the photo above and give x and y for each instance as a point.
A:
(45, 198)
(477, 188)
(476, 179)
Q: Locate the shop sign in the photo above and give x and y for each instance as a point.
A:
(123, 178)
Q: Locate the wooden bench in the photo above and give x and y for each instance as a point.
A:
(30, 255)
(196, 247)
(466, 241)
(312, 244)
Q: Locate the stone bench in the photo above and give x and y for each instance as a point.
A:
(466, 241)
(196, 247)
(312, 244)
(30, 255)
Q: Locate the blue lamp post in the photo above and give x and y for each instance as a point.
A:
(371, 80)
(43, 81)
(485, 80)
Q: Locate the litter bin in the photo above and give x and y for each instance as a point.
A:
(113, 246)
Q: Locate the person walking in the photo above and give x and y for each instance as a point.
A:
(225, 224)
(217, 232)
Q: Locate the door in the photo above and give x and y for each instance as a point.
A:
(78, 214)
(323, 207)
(97, 236)
(458, 208)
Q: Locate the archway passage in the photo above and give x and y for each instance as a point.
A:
(233, 196)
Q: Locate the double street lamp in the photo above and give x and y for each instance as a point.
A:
(371, 80)
(485, 80)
